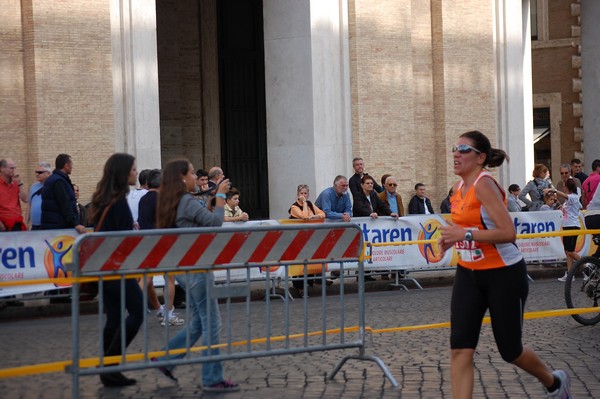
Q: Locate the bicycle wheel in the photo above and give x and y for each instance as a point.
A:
(582, 289)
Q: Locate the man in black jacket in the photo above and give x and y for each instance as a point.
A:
(59, 206)
(419, 203)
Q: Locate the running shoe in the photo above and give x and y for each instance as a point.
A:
(563, 391)
(160, 313)
(165, 371)
(173, 320)
(564, 278)
(223, 386)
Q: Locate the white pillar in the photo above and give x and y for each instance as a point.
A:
(515, 108)
(135, 80)
(307, 85)
(590, 71)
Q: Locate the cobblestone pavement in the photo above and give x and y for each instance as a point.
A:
(419, 360)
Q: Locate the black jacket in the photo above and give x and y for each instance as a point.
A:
(355, 186)
(416, 207)
(59, 207)
(362, 207)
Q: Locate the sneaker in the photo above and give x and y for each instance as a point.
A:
(563, 391)
(165, 371)
(223, 386)
(173, 321)
(160, 313)
(563, 278)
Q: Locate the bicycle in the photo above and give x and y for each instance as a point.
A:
(582, 287)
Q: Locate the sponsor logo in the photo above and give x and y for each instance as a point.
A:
(430, 230)
(58, 253)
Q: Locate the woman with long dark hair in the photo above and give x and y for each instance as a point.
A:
(491, 273)
(177, 207)
(109, 211)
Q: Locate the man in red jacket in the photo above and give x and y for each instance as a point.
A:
(12, 191)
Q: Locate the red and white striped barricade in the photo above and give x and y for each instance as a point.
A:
(235, 251)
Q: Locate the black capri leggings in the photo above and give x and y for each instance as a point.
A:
(503, 291)
(592, 222)
(570, 242)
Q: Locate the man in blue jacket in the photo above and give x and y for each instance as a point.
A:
(335, 201)
(59, 206)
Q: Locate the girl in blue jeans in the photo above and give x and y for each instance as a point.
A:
(177, 207)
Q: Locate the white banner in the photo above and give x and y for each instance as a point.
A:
(35, 255)
(44, 253)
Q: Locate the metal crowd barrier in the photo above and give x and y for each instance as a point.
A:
(250, 329)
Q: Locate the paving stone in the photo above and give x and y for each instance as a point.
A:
(419, 360)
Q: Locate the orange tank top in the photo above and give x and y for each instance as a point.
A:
(468, 212)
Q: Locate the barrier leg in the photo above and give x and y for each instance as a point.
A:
(378, 361)
(273, 292)
(362, 332)
(414, 280)
(396, 282)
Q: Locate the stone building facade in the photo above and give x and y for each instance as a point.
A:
(556, 72)
(392, 81)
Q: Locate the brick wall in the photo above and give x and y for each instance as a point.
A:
(13, 132)
(60, 84)
(553, 72)
(422, 72)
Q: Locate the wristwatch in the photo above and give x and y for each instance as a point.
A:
(469, 235)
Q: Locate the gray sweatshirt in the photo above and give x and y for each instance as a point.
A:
(190, 213)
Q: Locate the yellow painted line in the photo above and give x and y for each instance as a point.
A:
(486, 320)
(59, 366)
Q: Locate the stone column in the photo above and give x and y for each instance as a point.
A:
(135, 80)
(307, 97)
(590, 68)
(515, 112)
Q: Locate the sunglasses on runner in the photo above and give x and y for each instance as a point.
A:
(464, 148)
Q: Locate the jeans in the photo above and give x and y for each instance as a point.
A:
(203, 309)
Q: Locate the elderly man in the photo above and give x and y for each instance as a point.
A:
(391, 197)
(356, 180)
(335, 201)
(59, 206)
(565, 174)
(11, 191)
(215, 174)
(43, 170)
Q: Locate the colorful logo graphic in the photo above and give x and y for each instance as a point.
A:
(430, 231)
(58, 253)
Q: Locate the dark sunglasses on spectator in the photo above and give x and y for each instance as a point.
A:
(464, 148)
(564, 173)
(392, 185)
(39, 172)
